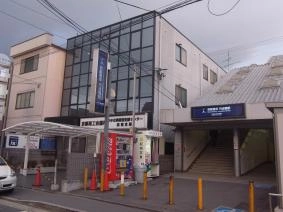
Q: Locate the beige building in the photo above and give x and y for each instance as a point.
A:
(37, 80)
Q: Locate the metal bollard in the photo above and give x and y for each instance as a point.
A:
(251, 196)
(200, 194)
(102, 180)
(171, 190)
(145, 195)
(85, 178)
(122, 185)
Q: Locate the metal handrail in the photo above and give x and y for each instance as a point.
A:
(270, 195)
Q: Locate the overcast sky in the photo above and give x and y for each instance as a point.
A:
(251, 32)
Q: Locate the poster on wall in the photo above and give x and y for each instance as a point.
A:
(20, 141)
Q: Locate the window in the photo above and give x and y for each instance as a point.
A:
(181, 54)
(213, 77)
(29, 64)
(180, 96)
(25, 100)
(205, 72)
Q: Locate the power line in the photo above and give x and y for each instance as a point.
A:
(132, 5)
(30, 24)
(221, 14)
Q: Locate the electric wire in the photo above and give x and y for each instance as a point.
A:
(224, 13)
(132, 5)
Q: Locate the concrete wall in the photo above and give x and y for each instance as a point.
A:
(256, 149)
(194, 143)
(47, 82)
(178, 150)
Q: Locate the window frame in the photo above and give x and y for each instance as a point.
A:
(182, 53)
(34, 59)
(182, 92)
(205, 72)
(23, 97)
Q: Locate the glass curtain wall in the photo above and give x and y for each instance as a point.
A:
(131, 47)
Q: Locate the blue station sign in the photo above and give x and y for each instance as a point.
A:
(101, 82)
(218, 112)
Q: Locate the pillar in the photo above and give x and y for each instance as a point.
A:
(26, 156)
(236, 144)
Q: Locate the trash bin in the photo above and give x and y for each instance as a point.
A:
(139, 170)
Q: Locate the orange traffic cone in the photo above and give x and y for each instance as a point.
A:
(93, 185)
(37, 178)
(106, 182)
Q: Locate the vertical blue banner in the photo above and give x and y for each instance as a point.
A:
(101, 82)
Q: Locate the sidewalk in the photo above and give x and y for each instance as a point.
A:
(234, 195)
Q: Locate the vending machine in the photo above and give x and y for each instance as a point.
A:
(119, 155)
(146, 155)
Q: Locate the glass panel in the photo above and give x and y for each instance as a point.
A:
(147, 53)
(135, 56)
(115, 30)
(113, 90)
(113, 74)
(130, 105)
(95, 36)
(75, 81)
(78, 53)
(73, 110)
(79, 41)
(134, 68)
(121, 106)
(82, 95)
(146, 86)
(146, 104)
(69, 58)
(114, 45)
(146, 68)
(64, 111)
(105, 33)
(125, 27)
(76, 69)
(104, 45)
(147, 37)
(31, 101)
(136, 40)
(132, 87)
(70, 43)
(136, 23)
(122, 89)
(183, 56)
(124, 59)
(66, 97)
(123, 72)
(67, 82)
(85, 68)
(82, 109)
(114, 60)
(83, 79)
(147, 22)
(74, 96)
(86, 53)
(68, 71)
(87, 39)
(124, 43)
(89, 79)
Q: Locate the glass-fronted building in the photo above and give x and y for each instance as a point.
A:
(130, 45)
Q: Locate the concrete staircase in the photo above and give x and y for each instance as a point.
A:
(215, 160)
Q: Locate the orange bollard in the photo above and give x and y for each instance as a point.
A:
(200, 194)
(93, 184)
(106, 182)
(251, 197)
(171, 190)
(145, 194)
(37, 178)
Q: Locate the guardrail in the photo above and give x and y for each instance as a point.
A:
(270, 195)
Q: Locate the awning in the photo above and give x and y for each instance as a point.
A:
(44, 128)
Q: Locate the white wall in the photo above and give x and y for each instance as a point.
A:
(190, 76)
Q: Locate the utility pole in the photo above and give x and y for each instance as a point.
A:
(134, 104)
(106, 128)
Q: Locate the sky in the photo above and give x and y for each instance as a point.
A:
(250, 33)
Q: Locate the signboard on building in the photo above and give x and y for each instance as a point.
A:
(98, 81)
(20, 141)
(218, 112)
(117, 122)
